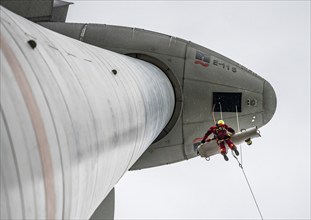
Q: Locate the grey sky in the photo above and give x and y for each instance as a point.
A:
(272, 38)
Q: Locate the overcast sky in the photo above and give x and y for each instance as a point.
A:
(272, 38)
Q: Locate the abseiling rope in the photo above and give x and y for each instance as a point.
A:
(240, 165)
(238, 124)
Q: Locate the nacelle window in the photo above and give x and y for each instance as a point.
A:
(227, 101)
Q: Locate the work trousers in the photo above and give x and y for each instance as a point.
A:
(221, 144)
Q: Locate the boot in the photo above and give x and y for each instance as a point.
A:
(225, 156)
(236, 151)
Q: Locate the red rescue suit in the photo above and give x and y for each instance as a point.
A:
(221, 135)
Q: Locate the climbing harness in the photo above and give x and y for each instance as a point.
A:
(249, 186)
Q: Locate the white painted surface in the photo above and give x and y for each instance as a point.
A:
(70, 128)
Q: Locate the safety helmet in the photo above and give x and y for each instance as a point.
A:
(220, 122)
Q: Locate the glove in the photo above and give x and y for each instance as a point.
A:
(203, 141)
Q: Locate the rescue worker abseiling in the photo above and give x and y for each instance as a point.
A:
(221, 135)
